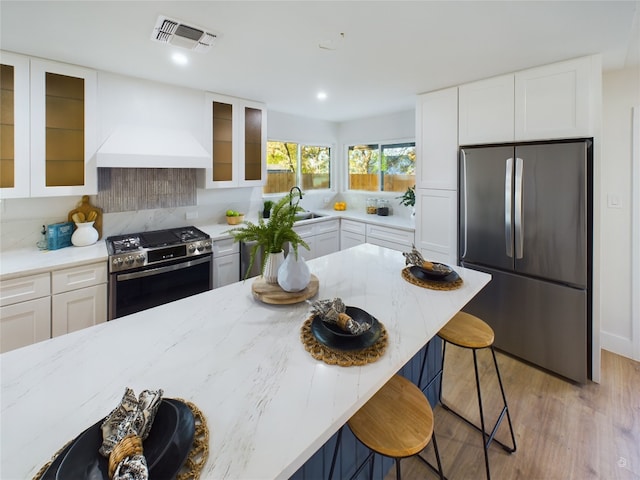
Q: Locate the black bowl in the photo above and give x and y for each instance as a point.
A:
(424, 274)
(333, 336)
(439, 270)
(165, 449)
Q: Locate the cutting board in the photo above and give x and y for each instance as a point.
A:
(272, 292)
(84, 207)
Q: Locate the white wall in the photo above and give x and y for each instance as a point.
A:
(621, 91)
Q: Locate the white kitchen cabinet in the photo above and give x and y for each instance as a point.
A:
(63, 117)
(236, 136)
(14, 126)
(322, 237)
(79, 298)
(555, 101)
(437, 139)
(436, 225)
(25, 311)
(25, 323)
(226, 262)
(548, 102)
(486, 111)
(352, 233)
(394, 238)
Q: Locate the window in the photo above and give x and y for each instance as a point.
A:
(290, 164)
(382, 167)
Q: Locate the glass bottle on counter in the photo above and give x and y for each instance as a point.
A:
(383, 207)
(372, 205)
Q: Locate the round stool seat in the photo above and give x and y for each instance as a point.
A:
(466, 330)
(397, 421)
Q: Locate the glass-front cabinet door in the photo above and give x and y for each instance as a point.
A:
(14, 125)
(63, 129)
(235, 134)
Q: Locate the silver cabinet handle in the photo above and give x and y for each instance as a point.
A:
(508, 188)
(518, 216)
(463, 231)
(159, 270)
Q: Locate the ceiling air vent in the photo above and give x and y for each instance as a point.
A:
(175, 32)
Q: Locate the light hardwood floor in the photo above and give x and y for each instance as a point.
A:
(563, 431)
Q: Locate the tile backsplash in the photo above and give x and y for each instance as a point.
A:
(130, 189)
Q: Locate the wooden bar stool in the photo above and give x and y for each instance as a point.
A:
(396, 422)
(468, 331)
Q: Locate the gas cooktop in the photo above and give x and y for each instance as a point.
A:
(137, 250)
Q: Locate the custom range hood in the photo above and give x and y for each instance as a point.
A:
(152, 147)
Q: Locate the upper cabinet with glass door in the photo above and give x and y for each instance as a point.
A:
(14, 125)
(236, 135)
(63, 129)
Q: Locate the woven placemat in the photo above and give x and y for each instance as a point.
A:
(343, 358)
(432, 284)
(197, 457)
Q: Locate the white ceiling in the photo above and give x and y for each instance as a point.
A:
(268, 51)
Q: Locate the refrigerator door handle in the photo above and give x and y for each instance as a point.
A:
(463, 231)
(518, 217)
(508, 188)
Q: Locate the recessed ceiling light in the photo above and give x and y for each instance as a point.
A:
(179, 58)
(321, 96)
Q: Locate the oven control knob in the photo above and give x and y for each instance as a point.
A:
(140, 258)
(207, 245)
(117, 262)
(192, 248)
(129, 260)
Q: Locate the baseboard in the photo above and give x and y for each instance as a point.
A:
(616, 344)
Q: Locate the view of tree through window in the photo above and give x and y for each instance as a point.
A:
(382, 167)
(290, 164)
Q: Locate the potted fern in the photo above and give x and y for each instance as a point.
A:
(270, 236)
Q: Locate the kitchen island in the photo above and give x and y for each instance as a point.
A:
(268, 404)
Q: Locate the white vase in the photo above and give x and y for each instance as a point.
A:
(294, 274)
(274, 260)
(85, 234)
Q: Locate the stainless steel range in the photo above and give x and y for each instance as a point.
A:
(148, 269)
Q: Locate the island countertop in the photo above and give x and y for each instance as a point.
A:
(268, 404)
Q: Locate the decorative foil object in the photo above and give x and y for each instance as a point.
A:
(333, 311)
(414, 257)
(133, 416)
(294, 274)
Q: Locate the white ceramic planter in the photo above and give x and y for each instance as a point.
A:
(85, 234)
(274, 261)
(294, 274)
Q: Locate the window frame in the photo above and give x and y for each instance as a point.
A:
(300, 143)
(380, 143)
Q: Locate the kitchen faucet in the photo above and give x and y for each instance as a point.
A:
(291, 195)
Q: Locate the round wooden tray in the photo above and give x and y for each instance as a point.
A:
(272, 292)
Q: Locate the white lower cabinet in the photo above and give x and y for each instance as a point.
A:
(78, 309)
(323, 238)
(226, 262)
(25, 323)
(352, 233)
(25, 311)
(79, 298)
(394, 238)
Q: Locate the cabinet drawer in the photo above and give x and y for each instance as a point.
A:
(326, 227)
(394, 235)
(304, 231)
(352, 226)
(24, 288)
(78, 277)
(225, 246)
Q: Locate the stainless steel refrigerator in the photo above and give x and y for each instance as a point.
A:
(525, 217)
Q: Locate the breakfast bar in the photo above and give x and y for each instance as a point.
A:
(269, 405)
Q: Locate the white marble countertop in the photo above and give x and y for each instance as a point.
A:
(30, 260)
(269, 405)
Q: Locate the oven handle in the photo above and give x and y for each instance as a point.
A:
(159, 270)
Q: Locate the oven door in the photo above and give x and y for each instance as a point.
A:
(148, 287)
